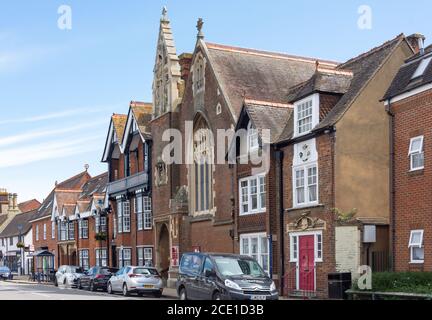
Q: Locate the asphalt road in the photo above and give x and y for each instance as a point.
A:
(15, 291)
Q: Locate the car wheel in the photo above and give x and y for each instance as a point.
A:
(55, 282)
(91, 287)
(217, 296)
(158, 295)
(125, 290)
(183, 294)
(109, 289)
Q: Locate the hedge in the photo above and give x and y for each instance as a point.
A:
(405, 282)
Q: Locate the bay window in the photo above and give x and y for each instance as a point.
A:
(257, 247)
(252, 193)
(416, 246)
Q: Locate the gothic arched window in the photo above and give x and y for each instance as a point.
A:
(199, 74)
(203, 166)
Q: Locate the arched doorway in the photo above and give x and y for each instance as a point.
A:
(164, 252)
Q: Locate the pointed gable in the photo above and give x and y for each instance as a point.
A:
(115, 134)
(167, 75)
(258, 75)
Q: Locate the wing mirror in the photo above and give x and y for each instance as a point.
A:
(210, 274)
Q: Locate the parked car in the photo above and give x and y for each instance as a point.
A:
(5, 273)
(223, 277)
(68, 276)
(96, 278)
(140, 280)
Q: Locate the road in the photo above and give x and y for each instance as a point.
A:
(15, 291)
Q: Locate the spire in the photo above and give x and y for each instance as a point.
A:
(164, 17)
(199, 27)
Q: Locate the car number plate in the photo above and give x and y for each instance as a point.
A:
(258, 298)
(147, 286)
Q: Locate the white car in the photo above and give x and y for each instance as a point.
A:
(140, 280)
(68, 276)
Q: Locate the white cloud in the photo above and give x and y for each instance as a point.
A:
(31, 135)
(52, 116)
(47, 151)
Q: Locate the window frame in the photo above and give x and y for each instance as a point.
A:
(306, 186)
(252, 136)
(147, 213)
(314, 99)
(260, 254)
(413, 152)
(412, 246)
(83, 259)
(422, 67)
(318, 242)
(261, 208)
(84, 229)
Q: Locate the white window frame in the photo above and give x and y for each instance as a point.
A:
(122, 257)
(259, 236)
(315, 100)
(37, 232)
(144, 255)
(147, 213)
(295, 241)
(306, 185)
(84, 258)
(413, 152)
(44, 231)
(252, 138)
(139, 203)
(101, 259)
(53, 232)
(412, 245)
(261, 207)
(424, 64)
(84, 229)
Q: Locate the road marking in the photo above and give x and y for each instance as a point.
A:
(40, 294)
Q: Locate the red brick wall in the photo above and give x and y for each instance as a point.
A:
(49, 243)
(323, 212)
(413, 202)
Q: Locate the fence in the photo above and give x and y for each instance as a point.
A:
(300, 285)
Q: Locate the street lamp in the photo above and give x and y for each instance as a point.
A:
(20, 228)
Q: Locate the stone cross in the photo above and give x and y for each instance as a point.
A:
(199, 26)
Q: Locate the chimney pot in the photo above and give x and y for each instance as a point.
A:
(416, 41)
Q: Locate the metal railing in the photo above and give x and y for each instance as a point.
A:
(300, 285)
(42, 276)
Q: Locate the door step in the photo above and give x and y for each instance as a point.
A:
(298, 294)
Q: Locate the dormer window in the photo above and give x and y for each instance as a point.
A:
(422, 68)
(253, 139)
(306, 115)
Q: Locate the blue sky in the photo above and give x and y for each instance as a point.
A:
(58, 88)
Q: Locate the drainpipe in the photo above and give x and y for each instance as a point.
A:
(279, 160)
(392, 186)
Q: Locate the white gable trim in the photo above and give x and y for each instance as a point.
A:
(130, 120)
(410, 94)
(108, 143)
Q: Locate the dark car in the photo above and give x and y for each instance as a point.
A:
(96, 278)
(223, 277)
(5, 273)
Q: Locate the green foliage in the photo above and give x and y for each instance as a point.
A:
(101, 236)
(404, 282)
(344, 217)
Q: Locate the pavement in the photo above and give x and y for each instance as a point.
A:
(22, 289)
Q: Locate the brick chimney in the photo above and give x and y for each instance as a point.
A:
(15, 201)
(185, 65)
(416, 41)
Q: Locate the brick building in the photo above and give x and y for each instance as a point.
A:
(128, 155)
(409, 102)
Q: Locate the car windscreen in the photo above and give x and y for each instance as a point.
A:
(108, 271)
(238, 267)
(76, 270)
(4, 269)
(146, 272)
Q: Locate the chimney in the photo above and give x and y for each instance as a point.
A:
(15, 201)
(416, 41)
(10, 198)
(185, 65)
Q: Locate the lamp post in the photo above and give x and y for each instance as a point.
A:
(20, 241)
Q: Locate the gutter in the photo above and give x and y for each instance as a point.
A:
(392, 185)
(281, 238)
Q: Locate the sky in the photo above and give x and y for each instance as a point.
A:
(59, 86)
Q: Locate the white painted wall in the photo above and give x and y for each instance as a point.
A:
(348, 249)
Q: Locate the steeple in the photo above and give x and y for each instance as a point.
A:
(166, 71)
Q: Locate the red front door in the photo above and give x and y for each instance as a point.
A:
(307, 263)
